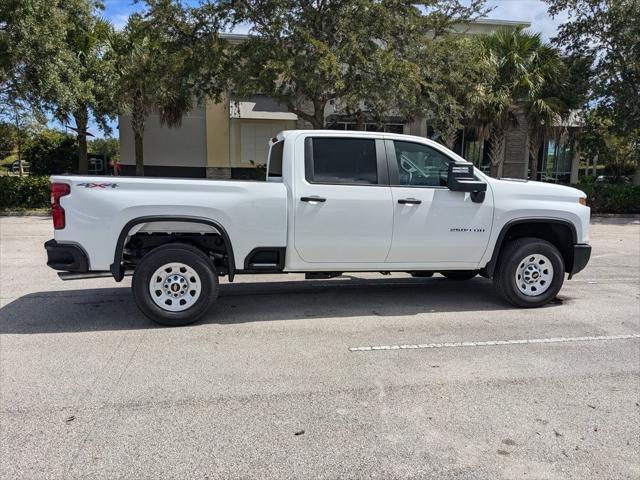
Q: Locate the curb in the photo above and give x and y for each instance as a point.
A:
(616, 215)
(25, 213)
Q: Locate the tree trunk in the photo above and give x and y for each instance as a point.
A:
(137, 125)
(533, 154)
(360, 121)
(19, 138)
(636, 175)
(139, 154)
(496, 150)
(81, 118)
(449, 137)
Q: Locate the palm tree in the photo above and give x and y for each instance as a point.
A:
(528, 74)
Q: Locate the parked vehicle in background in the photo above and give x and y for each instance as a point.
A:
(15, 167)
(334, 201)
(612, 179)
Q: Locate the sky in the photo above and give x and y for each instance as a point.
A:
(533, 11)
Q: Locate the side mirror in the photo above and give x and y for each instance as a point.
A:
(462, 179)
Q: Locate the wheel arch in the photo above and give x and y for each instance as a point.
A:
(559, 232)
(116, 267)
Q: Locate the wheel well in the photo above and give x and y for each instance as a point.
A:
(559, 233)
(140, 236)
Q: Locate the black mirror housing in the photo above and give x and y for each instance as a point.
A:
(462, 179)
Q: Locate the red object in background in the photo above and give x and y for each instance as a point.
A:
(116, 165)
(58, 190)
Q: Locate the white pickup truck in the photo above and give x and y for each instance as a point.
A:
(333, 202)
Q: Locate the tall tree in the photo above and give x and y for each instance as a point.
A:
(357, 53)
(168, 58)
(54, 58)
(529, 78)
(608, 33)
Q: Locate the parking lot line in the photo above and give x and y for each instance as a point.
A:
(491, 343)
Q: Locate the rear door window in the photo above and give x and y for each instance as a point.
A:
(341, 161)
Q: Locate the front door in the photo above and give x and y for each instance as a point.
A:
(433, 224)
(343, 207)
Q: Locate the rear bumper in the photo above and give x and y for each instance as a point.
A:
(66, 257)
(581, 255)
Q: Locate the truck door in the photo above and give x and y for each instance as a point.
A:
(342, 202)
(433, 224)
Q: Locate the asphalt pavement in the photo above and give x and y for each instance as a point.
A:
(364, 376)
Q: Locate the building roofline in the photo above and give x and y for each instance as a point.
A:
(502, 23)
(482, 21)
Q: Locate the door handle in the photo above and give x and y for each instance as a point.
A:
(409, 201)
(313, 198)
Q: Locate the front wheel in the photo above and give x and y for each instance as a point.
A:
(175, 284)
(530, 272)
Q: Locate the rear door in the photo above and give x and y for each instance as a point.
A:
(433, 224)
(343, 211)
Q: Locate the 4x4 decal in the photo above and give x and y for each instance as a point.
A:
(98, 185)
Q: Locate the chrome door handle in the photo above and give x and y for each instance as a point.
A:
(313, 198)
(409, 201)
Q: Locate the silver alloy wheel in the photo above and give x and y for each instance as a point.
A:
(175, 287)
(534, 275)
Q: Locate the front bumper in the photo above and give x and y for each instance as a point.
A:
(66, 257)
(581, 255)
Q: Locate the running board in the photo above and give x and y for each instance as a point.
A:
(82, 276)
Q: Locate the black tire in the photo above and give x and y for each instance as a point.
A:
(421, 274)
(191, 257)
(510, 260)
(460, 274)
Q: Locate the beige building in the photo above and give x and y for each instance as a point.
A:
(229, 139)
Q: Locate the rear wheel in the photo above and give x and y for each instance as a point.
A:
(530, 272)
(460, 274)
(175, 284)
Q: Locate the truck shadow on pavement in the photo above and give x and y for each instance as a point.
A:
(114, 308)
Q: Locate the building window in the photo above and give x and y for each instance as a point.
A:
(557, 158)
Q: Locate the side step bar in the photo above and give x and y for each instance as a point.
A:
(83, 276)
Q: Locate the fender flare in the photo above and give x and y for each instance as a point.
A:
(116, 267)
(491, 264)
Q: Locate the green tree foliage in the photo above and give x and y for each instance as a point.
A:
(108, 147)
(51, 152)
(8, 139)
(530, 83)
(619, 151)
(53, 56)
(607, 33)
(167, 59)
(455, 78)
(362, 54)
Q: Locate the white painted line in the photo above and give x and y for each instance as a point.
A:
(489, 343)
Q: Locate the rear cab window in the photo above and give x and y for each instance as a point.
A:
(275, 160)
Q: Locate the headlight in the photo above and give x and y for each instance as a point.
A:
(582, 200)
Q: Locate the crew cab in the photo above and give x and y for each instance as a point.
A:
(333, 202)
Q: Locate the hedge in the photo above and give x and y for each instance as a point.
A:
(24, 192)
(33, 192)
(612, 198)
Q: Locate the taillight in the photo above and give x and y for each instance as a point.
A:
(58, 190)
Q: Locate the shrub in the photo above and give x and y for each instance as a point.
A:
(52, 152)
(24, 192)
(612, 198)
